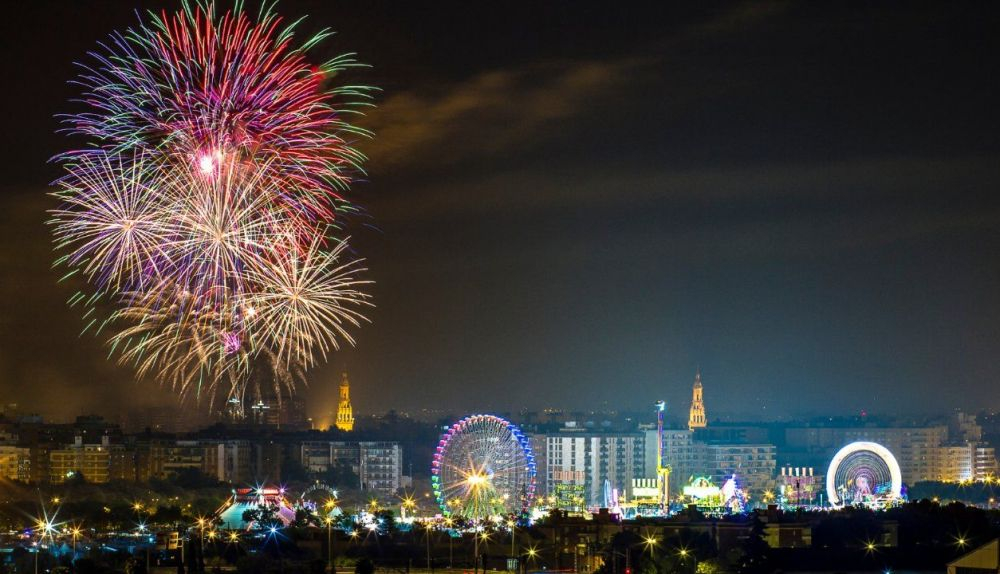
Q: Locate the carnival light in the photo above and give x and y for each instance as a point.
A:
(483, 468)
(863, 473)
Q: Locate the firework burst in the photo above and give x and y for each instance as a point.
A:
(203, 204)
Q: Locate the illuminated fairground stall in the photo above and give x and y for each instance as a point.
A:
(800, 486)
(715, 500)
(232, 514)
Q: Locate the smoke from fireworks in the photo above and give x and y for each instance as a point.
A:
(202, 205)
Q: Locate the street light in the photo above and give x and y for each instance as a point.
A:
(684, 553)
(650, 542)
(427, 534)
(76, 534)
(531, 555)
(329, 544)
(512, 525)
(476, 536)
(451, 542)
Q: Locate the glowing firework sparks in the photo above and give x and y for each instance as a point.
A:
(307, 299)
(203, 88)
(216, 166)
(111, 219)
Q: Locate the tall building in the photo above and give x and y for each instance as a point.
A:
(752, 465)
(686, 457)
(229, 460)
(345, 414)
(286, 414)
(923, 452)
(696, 420)
(378, 465)
(15, 463)
(98, 462)
(579, 461)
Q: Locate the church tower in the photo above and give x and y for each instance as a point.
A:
(345, 414)
(696, 420)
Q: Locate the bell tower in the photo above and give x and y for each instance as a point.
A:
(345, 414)
(696, 420)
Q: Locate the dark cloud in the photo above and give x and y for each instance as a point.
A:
(490, 113)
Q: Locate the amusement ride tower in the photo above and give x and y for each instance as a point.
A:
(662, 470)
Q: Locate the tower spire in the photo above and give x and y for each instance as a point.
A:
(696, 418)
(345, 413)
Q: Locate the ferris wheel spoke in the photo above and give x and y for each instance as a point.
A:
(483, 468)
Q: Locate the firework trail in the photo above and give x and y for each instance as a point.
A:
(205, 204)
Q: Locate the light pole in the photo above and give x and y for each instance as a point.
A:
(212, 534)
(427, 531)
(650, 542)
(45, 527)
(531, 555)
(329, 544)
(76, 534)
(330, 541)
(512, 525)
(451, 543)
(475, 552)
(684, 553)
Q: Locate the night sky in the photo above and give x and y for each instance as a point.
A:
(578, 207)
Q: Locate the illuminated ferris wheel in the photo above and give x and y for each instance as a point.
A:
(863, 474)
(483, 467)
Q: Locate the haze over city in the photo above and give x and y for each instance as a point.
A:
(579, 207)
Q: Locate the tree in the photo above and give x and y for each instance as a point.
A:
(192, 478)
(135, 566)
(615, 552)
(756, 558)
(293, 471)
(341, 474)
(167, 515)
(263, 517)
(304, 518)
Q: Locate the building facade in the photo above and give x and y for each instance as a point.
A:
(15, 463)
(751, 465)
(924, 453)
(580, 464)
(378, 465)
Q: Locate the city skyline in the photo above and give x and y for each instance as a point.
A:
(309, 286)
